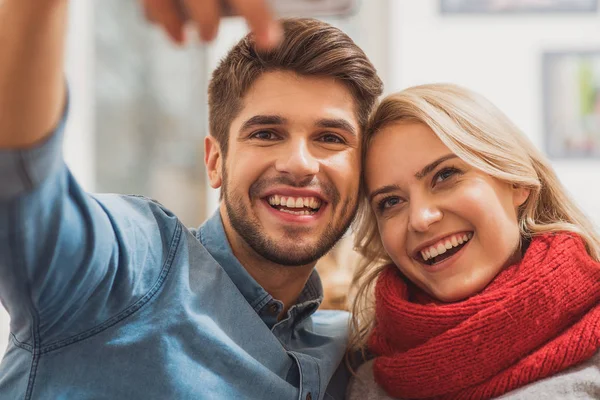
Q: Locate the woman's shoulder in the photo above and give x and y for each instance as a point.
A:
(362, 386)
(579, 382)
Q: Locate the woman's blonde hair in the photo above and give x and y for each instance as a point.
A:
(481, 135)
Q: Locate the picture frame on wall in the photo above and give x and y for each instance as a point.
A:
(571, 104)
(517, 6)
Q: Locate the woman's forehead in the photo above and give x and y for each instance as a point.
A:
(403, 149)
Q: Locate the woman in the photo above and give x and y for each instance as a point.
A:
(482, 277)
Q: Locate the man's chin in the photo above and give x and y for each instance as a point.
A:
(292, 258)
(282, 240)
(293, 242)
(292, 234)
(277, 224)
(292, 249)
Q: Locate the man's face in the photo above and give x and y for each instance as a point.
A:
(291, 175)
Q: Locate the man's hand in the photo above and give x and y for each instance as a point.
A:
(172, 15)
(32, 87)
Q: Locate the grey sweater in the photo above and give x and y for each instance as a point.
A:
(581, 382)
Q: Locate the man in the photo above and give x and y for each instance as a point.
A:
(110, 297)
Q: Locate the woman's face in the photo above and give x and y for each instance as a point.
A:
(450, 228)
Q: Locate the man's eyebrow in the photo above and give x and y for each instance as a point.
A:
(431, 166)
(259, 120)
(383, 190)
(337, 123)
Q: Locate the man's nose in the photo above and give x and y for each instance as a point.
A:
(297, 160)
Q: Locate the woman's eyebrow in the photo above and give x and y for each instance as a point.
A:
(419, 175)
(431, 166)
(383, 190)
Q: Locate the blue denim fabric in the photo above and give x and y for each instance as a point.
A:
(111, 297)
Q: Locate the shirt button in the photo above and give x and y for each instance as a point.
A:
(309, 396)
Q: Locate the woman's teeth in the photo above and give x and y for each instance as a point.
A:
(444, 245)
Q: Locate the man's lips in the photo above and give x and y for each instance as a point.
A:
(294, 215)
(295, 201)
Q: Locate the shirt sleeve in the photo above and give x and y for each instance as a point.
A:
(62, 256)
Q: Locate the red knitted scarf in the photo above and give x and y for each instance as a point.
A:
(537, 317)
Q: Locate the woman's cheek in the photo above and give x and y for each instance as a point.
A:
(473, 203)
(393, 239)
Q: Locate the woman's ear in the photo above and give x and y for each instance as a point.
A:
(213, 160)
(520, 195)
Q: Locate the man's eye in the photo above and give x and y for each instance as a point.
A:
(330, 138)
(263, 135)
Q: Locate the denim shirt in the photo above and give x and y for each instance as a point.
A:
(110, 297)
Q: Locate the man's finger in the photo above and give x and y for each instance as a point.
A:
(166, 14)
(206, 14)
(260, 20)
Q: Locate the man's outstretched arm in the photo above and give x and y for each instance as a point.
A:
(68, 260)
(62, 250)
(32, 87)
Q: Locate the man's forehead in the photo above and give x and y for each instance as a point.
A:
(278, 89)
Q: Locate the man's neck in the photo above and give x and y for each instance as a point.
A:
(283, 282)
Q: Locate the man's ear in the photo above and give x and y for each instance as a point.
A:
(213, 160)
(520, 195)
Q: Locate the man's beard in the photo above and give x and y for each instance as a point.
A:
(252, 232)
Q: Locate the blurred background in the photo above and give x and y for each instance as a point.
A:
(138, 104)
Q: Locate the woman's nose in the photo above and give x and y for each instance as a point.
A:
(423, 215)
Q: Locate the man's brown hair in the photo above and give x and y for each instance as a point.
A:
(309, 48)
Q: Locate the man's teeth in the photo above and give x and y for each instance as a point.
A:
(301, 212)
(294, 202)
(445, 244)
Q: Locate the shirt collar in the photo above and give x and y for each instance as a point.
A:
(212, 236)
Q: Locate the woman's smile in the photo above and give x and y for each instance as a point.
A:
(447, 226)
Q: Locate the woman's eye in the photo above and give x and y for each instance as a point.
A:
(444, 175)
(329, 138)
(263, 135)
(388, 202)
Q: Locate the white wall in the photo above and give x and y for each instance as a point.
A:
(500, 57)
